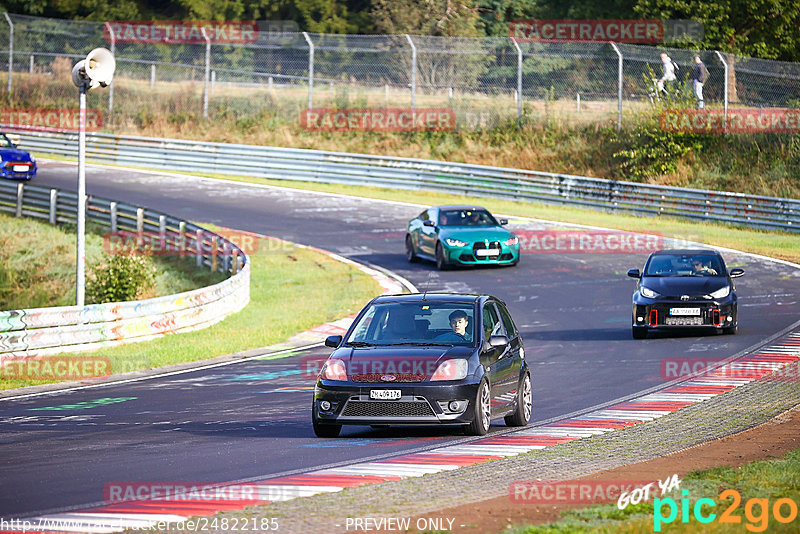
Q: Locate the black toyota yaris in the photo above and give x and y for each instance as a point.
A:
(684, 289)
(425, 359)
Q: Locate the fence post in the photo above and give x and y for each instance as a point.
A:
(724, 64)
(140, 221)
(198, 236)
(214, 253)
(162, 232)
(619, 86)
(20, 193)
(207, 72)
(10, 49)
(53, 205)
(413, 71)
(182, 237)
(519, 79)
(113, 39)
(310, 70)
(113, 208)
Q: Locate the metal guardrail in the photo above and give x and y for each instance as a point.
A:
(43, 331)
(406, 173)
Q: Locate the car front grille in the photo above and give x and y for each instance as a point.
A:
(481, 245)
(356, 408)
(375, 378)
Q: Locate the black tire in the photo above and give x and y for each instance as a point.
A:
(441, 262)
(522, 413)
(730, 331)
(322, 430)
(482, 407)
(639, 332)
(411, 256)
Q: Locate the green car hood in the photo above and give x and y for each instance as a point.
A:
(472, 234)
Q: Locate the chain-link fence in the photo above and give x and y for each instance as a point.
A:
(276, 76)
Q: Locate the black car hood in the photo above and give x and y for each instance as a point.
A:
(675, 286)
(406, 363)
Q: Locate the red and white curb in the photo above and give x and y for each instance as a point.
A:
(762, 363)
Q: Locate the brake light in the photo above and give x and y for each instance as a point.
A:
(334, 369)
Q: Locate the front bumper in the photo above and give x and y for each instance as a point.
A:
(470, 254)
(659, 313)
(421, 403)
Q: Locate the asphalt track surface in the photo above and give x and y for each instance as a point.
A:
(252, 419)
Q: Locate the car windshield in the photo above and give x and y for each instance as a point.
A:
(5, 142)
(466, 217)
(423, 323)
(685, 265)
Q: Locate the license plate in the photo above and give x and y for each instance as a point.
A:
(684, 321)
(684, 311)
(21, 168)
(487, 252)
(384, 394)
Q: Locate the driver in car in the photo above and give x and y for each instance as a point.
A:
(698, 267)
(458, 322)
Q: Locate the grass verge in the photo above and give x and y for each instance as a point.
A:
(765, 482)
(292, 289)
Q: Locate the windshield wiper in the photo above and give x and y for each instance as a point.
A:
(359, 344)
(420, 344)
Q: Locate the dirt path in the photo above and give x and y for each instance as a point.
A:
(769, 440)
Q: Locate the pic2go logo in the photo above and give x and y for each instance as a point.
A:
(756, 511)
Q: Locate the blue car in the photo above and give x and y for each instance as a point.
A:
(460, 235)
(17, 164)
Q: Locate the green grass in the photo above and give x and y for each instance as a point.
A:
(766, 479)
(292, 289)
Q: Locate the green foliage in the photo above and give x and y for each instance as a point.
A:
(653, 152)
(120, 277)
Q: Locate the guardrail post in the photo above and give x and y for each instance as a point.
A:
(113, 208)
(213, 253)
(113, 39)
(53, 205)
(519, 79)
(140, 221)
(198, 237)
(310, 70)
(413, 71)
(207, 72)
(619, 85)
(235, 262)
(182, 237)
(162, 232)
(10, 50)
(20, 193)
(724, 64)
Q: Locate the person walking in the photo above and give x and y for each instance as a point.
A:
(699, 77)
(669, 73)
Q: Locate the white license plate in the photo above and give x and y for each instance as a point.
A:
(684, 321)
(487, 252)
(684, 311)
(384, 394)
(21, 168)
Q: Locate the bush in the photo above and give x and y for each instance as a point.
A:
(119, 278)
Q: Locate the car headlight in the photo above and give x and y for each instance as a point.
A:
(720, 293)
(334, 369)
(451, 370)
(648, 293)
(455, 242)
(510, 242)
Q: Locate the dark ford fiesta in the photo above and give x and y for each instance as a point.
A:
(441, 359)
(684, 289)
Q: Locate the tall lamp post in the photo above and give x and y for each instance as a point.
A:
(97, 70)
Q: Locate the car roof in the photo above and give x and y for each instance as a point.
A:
(429, 297)
(461, 207)
(682, 251)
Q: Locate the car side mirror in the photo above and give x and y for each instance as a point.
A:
(503, 222)
(429, 223)
(634, 273)
(736, 273)
(498, 341)
(333, 341)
